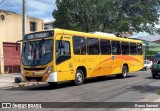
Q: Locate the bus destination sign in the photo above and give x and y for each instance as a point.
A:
(38, 35)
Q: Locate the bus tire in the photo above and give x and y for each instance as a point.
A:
(124, 72)
(154, 76)
(79, 77)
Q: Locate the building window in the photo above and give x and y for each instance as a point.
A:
(42, 26)
(33, 26)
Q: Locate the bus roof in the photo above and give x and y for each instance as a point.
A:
(85, 34)
(93, 35)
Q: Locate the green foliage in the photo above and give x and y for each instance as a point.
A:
(115, 16)
(148, 52)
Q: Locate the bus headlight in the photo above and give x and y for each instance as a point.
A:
(49, 70)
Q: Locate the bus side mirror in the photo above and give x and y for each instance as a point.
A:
(18, 44)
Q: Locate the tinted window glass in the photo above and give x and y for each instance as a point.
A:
(133, 48)
(125, 48)
(79, 45)
(116, 47)
(105, 46)
(139, 49)
(92, 46)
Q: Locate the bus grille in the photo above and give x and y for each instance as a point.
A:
(34, 78)
(34, 69)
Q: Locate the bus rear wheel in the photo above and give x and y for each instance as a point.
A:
(124, 72)
(79, 77)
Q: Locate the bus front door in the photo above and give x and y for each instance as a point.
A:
(64, 64)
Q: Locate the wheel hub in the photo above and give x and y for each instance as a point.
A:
(79, 77)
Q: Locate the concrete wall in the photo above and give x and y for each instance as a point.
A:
(11, 30)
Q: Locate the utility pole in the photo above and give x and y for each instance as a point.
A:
(24, 19)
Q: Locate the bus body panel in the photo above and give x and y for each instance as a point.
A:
(95, 65)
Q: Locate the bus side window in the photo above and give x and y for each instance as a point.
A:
(67, 49)
(139, 49)
(133, 48)
(116, 47)
(79, 45)
(93, 46)
(105, 47)
(125, 48)
(62, 54)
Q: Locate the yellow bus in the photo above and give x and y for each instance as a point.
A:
(62, 55)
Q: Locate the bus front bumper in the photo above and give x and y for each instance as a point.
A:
(52, 77)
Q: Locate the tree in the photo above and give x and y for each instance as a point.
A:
(114, 16)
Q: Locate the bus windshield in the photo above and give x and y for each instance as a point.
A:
(38, 52)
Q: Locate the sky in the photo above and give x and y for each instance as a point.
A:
(43, 9)
(35, 8)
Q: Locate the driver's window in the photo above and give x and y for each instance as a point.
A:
(62, 51)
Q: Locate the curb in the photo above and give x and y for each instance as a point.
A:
(22, 84)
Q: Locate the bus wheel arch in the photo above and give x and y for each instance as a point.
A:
(80, 75)
(126, 66)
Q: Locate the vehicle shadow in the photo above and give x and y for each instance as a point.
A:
(150, 77)
(104, 78)
(46, 86)
(144, 70)
(144, 88)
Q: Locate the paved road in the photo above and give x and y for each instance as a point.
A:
(138, 87)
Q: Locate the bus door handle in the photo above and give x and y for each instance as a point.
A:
(71, 70)
(89, 68)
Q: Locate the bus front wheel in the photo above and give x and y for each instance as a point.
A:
(124, 72)
(79, 77)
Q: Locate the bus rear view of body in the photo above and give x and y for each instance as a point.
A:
(61, 55)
